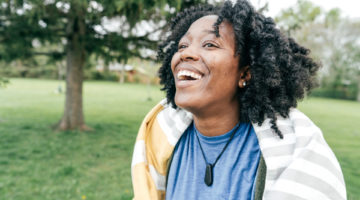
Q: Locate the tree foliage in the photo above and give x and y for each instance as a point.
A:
(27, 24)
(72, 30)
(333, 41)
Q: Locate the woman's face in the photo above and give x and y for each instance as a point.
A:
(205, 67)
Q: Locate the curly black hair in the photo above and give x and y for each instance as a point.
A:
(281, 70)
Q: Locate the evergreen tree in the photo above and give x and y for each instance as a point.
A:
(77, 29)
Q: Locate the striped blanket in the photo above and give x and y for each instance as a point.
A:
(299, 166)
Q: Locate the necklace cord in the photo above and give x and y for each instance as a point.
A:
(202, 151)
(227, 143)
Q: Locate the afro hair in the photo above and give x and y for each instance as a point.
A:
(281, 70)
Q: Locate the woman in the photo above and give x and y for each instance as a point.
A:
(229, 127)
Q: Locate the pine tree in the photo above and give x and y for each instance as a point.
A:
(76, 29)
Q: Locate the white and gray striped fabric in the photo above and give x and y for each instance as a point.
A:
(299, 166)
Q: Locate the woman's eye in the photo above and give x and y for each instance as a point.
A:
(209, 45)
(182, 46)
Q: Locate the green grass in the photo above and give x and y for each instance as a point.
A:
(38, 163)
(339, 121)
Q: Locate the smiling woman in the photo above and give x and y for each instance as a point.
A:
(229, 127)
(214, 61)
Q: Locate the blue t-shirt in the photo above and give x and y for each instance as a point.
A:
(234, 173)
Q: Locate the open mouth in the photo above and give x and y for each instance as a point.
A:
(185, 75)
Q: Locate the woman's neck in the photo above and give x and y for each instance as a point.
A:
(217, 123)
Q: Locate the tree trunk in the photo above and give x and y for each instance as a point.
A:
(122, 75)
(358, 88)
(73, 117)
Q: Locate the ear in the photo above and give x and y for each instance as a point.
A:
(245, 76)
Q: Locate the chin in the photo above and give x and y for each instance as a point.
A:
(184, 102)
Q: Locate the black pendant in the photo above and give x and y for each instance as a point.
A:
(209, 175)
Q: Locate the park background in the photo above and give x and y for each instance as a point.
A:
(78, 76)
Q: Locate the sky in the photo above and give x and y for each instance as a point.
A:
(349, 8)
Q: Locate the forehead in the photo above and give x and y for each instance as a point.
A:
(205, 26)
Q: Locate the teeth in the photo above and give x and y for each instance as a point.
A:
(183, 73)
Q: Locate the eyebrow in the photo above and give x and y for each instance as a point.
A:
(206, 31)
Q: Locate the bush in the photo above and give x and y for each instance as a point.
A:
(3, 82)
(92, 74)
(49, 72)
(348, 93)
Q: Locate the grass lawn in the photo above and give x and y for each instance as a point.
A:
(38, 163)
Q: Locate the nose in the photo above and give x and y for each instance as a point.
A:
(189, 54)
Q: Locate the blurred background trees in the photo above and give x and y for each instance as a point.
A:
(71, 32)
(333, 41)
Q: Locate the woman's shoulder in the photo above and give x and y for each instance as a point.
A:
(301, 158)
(300, 135)
(296, 123)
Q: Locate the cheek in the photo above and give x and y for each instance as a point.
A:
(226, 67)
(174, 60)
(225, 76)
(232, 65)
